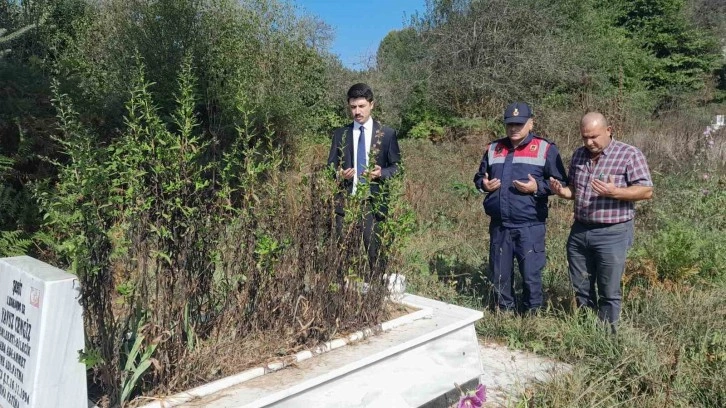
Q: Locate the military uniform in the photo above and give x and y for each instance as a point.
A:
(517, 226)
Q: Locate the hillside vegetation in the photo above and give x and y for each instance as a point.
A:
(171, 154)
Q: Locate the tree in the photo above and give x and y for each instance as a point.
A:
(684, 55)
(494, 51)
(401, 61)
(471, 57)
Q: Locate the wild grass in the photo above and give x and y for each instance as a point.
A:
(671, 348)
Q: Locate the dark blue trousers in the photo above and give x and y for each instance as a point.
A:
(527, 245)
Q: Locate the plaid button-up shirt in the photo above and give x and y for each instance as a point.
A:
(622, 161)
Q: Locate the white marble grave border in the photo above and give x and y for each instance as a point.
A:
(278, 364)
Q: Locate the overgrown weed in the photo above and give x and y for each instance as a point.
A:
(189, 251)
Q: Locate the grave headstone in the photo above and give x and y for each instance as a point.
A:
(41, 333)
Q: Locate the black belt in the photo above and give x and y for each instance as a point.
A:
(592, 225)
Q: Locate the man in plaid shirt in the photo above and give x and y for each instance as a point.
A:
(606, 178)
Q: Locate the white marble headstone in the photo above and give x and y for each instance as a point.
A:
(41, 332)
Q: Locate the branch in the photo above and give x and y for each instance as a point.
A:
(16, 34)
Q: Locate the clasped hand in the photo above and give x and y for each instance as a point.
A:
(529, 187)
(605, 189)
(602, 188)
(371, 175)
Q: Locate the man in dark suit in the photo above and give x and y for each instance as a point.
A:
(364, 155)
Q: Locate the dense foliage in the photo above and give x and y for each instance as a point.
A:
(161, 150)
(257, 53)
(469, 57)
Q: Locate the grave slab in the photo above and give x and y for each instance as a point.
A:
(41, 333)
(411, 365)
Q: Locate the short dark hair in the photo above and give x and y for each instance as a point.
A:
(360, 90)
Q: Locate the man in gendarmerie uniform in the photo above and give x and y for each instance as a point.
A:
(514, 174)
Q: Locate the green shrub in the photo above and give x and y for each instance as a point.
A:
(427, 129)
(686, 239)
(676, 251)
(684, 252)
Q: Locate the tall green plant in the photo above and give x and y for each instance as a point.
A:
(138, 197)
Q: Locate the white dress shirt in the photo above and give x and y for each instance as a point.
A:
(369, 136)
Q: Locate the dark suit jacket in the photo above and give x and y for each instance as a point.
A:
(389, 155)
